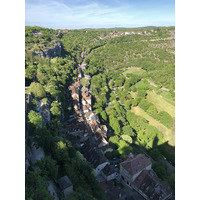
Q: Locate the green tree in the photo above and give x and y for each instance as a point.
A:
(37, 90)
(35, 119)
(36, 187)
(127, 138)
(127, 130)
(85, 82)
(48, 167)
(56, 109)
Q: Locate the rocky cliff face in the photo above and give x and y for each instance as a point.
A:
(50, 53)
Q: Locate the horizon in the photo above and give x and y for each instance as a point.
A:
(105, 28)
(96, 14)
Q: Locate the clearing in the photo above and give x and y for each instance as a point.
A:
(161, 102)
(167, 133)
(134, 70)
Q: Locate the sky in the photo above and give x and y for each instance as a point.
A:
(77, 14)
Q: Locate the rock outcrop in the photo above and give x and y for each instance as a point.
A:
(50, 53)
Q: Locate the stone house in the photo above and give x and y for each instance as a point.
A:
(88, 99)
(151, 187)
(85, 93)
(64, 31)
(100, 138)
(87, 108)
(131, 168)
(83, 54)
(75, 92)
(127, 33)
(108, 173)
(138, 32)
(65, 185)
(88, 77)
(89, 115)
(104, 129)
(94, 124)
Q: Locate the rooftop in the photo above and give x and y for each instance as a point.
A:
(64, 182)
(136, 164)
(93, 155)
(108, 170)
(151, 186)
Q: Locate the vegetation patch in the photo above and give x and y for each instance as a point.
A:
(134, 70)
(167, 133)
(160, 103)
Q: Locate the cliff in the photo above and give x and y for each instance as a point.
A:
(50, 53)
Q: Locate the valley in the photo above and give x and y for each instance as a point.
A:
(107, 98)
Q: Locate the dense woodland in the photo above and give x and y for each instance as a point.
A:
(120, 70)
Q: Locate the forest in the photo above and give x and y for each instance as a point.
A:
(133, 92)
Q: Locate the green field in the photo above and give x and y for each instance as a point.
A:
(134, 70)
(167, 133)
(133, 94)
(162, 102)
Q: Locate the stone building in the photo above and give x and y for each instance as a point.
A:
(151, 187)
(108, 173)
(131, 168)
(65, 186)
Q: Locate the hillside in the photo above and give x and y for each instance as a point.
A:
(122, 78)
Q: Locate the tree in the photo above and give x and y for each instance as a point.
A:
(127, 138)
(144, 104)
(56, 109)
(127, 130)
(37, 90)
(33, 104)
(114, 123)
(48, 167)
(35, 119)
(156, 155)
(85, 82)
(36, 187)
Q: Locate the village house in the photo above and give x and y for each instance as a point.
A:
(85, 93)
(91, 117)
(101, 139)
(131, 168)
(87, 108)
(88, 77)
(37, 34)
(83, 64)
(65, 186)
(87, 100)
(151, 187)
(64, 31)
(77, 84)
(80, 74)
(95, 125)
(108, 173)
(83, 54)
(75, 92)
(127, 33)
(138, 32)
(94, 156)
